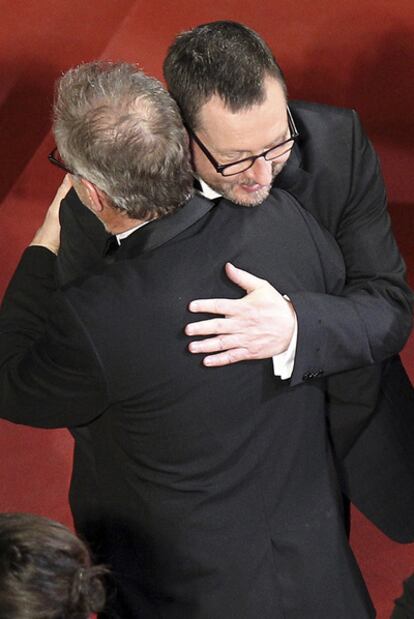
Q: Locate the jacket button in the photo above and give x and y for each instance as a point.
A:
(309, 375)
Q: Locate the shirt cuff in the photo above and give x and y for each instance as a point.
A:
(284, 362)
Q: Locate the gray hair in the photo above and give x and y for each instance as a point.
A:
(119, 129)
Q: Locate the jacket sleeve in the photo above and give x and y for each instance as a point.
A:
(82, 240)
(370, 320)
(49, 375)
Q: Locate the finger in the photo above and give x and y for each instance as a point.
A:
(67, 181)
(225, 307)
(63, 189)
(214, 344)
(65, 186)
(215, 326)
(226, 358)
(244, 279)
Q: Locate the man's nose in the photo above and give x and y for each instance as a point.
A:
(261, 171)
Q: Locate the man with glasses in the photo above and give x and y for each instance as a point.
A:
(233, 98)
(212, 486)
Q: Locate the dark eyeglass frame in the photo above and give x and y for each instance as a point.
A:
(53, 158)
(221, 168)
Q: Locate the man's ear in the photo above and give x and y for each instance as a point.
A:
(97, 199)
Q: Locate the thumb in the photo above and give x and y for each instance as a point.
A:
(244, 279)
(62, 190)
(65, 185)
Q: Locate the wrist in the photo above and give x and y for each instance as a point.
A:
(43, 240)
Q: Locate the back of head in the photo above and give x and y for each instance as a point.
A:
(221, 58)
(46, 571)
(119, 129)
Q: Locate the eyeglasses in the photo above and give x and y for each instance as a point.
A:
(231, 169)
(55, 158)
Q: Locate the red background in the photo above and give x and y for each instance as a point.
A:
(358, 54)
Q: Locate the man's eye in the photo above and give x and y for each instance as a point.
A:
(236, 157)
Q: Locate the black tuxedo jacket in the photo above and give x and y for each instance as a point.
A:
(334, 173)
(218, 495)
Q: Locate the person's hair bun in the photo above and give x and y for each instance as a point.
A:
(88, 590)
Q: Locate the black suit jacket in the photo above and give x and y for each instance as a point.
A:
(214, 484)
(334, 173)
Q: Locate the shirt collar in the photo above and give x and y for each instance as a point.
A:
(207, 191)
(123, 235)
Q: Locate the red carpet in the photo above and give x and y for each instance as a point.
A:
(357, 54)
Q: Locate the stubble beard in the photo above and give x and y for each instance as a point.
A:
(229, 190)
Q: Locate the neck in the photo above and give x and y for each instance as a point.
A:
(117, 222)
(130, 224)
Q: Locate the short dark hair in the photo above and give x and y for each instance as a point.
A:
(46, 571)
(121, 130)
(221, 58)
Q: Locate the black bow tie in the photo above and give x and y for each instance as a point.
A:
(197, 185)
(111, 247)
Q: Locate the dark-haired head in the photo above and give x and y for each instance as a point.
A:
(221, 58)
(46, 571)
(232, 96)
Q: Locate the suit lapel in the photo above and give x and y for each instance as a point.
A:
(161, 231)
(293, 178)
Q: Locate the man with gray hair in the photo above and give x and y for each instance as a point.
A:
(212, 485)
(139, 157)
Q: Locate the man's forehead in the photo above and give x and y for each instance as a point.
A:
(257, 126)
